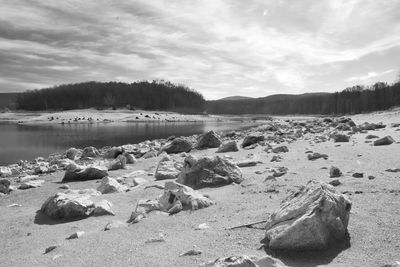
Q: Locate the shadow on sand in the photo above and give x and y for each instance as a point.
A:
(42, 219)
(311, 258)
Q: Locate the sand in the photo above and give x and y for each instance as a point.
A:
(374, 221)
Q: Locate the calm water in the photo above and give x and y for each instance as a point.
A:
(28, 142)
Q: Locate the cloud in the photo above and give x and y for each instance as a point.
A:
(369, 77)
(219, 47)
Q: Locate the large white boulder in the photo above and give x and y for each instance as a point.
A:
(309, 219)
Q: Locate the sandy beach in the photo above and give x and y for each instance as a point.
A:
(374, 225)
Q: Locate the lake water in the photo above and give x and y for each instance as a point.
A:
(30, 141)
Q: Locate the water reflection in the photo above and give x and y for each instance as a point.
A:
(28, 142)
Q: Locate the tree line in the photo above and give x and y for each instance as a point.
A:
(352, 100)
(155, 95)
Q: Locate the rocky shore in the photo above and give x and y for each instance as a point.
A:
(291, 192)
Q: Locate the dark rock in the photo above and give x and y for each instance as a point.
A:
(177, 145)
(387, 140)
(335, 172)
(208, 140)
(252, 139)
(81, 173)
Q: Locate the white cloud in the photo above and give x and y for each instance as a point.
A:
(369, 77)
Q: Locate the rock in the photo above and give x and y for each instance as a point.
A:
(5, 172)
(113, 152)
(175, 198)
(387, 140)
(252, 139)
(247, 163)
(41, 168)
(371, 136)
(139, 181)
(370, 177)
(76, 235)
(49, 249)
(371, 126)
(309, 219)
(192, 252)
(4, 186)
(209, 171)
(166, 169)
(64, 186)
(393, 170)
(335, 182)
(276, 158)
(202, 226)
(228, 147)
(340, 138)
(70, 205)
(334, 172)
(102, 207)
(149, 154)
(81, 173)
(244, 261)
(130, 159)
(31, 184)
(71, 153)
(117, 164)
(280, 149)
(110, 185)
(208, 140)
(90, 152)
(358, 175)
(177, 145)
(315, 156)
(114, 224)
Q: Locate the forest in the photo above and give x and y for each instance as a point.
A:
(155, 95)
(352, 100)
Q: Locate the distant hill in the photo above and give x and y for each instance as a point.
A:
(236, 97)
(8, 100)
(356, 99)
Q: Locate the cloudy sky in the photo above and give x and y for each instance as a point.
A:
(219, 47)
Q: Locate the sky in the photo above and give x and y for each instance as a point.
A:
(218, 47)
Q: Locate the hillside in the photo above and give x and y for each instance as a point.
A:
(356, 99)
(7, 100)
(155, 95)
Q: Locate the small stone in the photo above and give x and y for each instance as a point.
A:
(76, 235)
(335, 172)
(192, 252)
(202, 226)
(358, 175)
(335, 182)
(49, 249)
(370, 177)
(159, 238)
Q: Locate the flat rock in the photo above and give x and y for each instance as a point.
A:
(110, 185)
(81, 173)
(228, 147)
(167, 169)
(31, 184)
(387, 140)
(244, 261)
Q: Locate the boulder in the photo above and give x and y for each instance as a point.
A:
(208, 140)
(90, 152)
(176, 197)
(334, 172)
(387, 140)
(280, 149)
(244, 261)
(71, 153)
(209, 171)
(228, 147)
(110, 185)
(371, 136)
(177, 145)
(310, 219)
(75, 172)
(130, 158)
(371, 126)
(4, 186)
(167, 169)
(113, 152)
(252, 139)
(72, 205)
